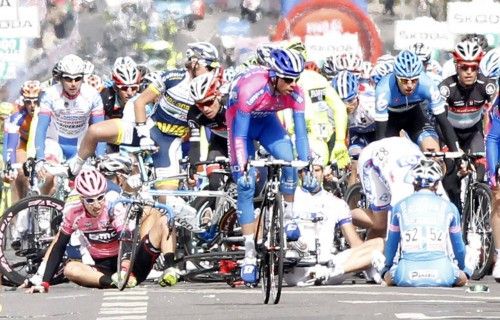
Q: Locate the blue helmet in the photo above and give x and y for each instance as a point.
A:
(346, 84)
(286, 63)
(380, 70)
(408, 65)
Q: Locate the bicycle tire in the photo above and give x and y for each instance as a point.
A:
(30, 257)
(128, 244)
(476, 218)
(272, 262)
(355, 197)
(211, 273)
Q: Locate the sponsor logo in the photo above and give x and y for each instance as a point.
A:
(103, 236)
(423, 274)
(490, 88)
(445, 91)
(254, 97)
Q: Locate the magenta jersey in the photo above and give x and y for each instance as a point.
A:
(102, 231)
(254, 96)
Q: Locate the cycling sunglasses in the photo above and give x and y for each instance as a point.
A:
(124, 87)
(30, 100)
(93, 200)
(206, 103)
(350, 101)
(290, 80)
(408, 80)
(72, 78)
(466, 67)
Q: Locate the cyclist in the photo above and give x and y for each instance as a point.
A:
(17, 129)
(251, 115)
(66, 111)
(468, 94)
(126, 80)
(87, 210)
(400, 102)
(316, 213)
(422, 225)
(490, 64)
(424, 53)
(361, 110)
(380, 70)
(325, 112)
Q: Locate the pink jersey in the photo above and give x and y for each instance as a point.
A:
(254, 96)
(101, 232)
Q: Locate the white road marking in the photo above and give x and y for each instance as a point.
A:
(125, 293)
(407, 301)
(126, 305)
(123, 310)
(421, 316)
(124, 318)
(126, 298)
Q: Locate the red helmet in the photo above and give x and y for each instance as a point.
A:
(311, 65)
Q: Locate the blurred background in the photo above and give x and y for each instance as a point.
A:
(34, 34)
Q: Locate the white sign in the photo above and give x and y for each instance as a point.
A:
(7, 70)
(27, 26)
(13, 49)
(435, 34)
(8, 8)
(474, 17)
(319, 47)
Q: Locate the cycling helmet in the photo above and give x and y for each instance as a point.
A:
(480, 39)
(408, 65)
(143, 70)
(115, 162)
(56, 70)
(286, 63)
(152, 77)
(89, 68)
(380, 70)
(205, 52)
(95, 81)
(319, 152)
(434, 67)
(329, 69)
(90, 183)
(204, 86)
(125, 72)
(228, 74)
(385, 58)
(71, 65)
(426, 173)
(422, 50)
(31, 89)
(346, 84)
(263, 54)
(299, 47)
(250, 62)
(366, 69)
(6, 109)
(349, 61)
(490, 64)
(311, 65)
(467, 51)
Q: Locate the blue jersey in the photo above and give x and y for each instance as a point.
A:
(493, 142)
(422, 224)
(171, 110)
(389, 98)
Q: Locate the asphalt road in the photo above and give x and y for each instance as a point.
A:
(219, 301)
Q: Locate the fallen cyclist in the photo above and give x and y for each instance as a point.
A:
(86, 210)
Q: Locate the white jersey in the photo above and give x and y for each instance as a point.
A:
(69, 118)
(333, 210)
(363, 118)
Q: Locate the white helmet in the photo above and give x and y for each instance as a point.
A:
(366, 69)
(426, 173)
(115, 162)
(349, 61)
(89, 68)
(125, 72)
(151, 77)
(490, 64)
(385, 58)
(422, 50)
(228, 74)
(263, 54)
(71, 65)
(205, 52)
(468, 51)
(204, 85)
(380, 70)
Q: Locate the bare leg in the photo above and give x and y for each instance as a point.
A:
(82, 274)
(106, 131)
(362, 218)
(379, 227)
(361, 256)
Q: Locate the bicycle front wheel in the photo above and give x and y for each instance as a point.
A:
(272, 259)
(26, 231)
(127, 250)
(477, 220)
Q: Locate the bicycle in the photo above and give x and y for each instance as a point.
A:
(29, 226)
(476, 213)
(270, 251)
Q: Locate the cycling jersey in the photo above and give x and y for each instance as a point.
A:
(17, 129)
(174, 103)
(66, 120)
(362, 121)
(111, 103)
(493, 144)
(465, 105)
(422, 225)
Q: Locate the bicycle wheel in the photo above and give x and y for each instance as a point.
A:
(129, 242)
(272, 262)
(476, 219)
(24, 241)
(355, 197)
(208, 266)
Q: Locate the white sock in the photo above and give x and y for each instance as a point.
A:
(287, 210)
(249, 245)
(337, 270)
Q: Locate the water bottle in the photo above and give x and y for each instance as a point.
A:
(185, 215)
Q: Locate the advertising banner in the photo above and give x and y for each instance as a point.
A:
(26, 26)
(474, 17)
(12, 49)
(435, 34)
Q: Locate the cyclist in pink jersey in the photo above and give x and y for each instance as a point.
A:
(87, 210)
(251, 115)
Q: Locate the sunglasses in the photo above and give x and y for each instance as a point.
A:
(93, 200)
(30, 101)
(408, 80)
(69, 79)
(124, 87)
(290, 80)
(466, 67)
(350, 101)
(206, 103)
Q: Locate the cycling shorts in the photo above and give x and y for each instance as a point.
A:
(436, 273)
(357, 141)
(57, 153)
(416, 122)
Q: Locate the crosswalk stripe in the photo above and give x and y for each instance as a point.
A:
(122, 317)
(124, 304)
(123, 310)
(137, 298)
(125, 293)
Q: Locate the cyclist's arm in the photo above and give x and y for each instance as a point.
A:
(339, 114)
(11, 136)
(457, 241)
(147, 96)
(44, 118)
(56, 255)
(382, 92)
(301, 140)
(241, 125)
(194, 138)
(493, 142)
(349, 233)
(393, 239)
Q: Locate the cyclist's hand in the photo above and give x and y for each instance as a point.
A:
(310, 183)
(40, 170)
(10, 175)
(245, 182)
(492, 179)
(37, 289)
(75, 165)
(341, 154)
(145, 140)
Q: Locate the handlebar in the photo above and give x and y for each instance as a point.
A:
(455, 155)
(278, 163)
